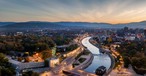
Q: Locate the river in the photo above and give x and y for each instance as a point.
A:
(99, 58)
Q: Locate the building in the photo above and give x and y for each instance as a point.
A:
(20, 66)
(53, 62)
(130, 38)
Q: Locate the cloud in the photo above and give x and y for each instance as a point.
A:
(112, 11)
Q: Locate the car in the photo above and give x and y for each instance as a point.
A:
(100, 70)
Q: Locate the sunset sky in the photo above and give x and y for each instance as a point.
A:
(109, 11)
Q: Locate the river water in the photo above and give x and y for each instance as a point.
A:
(99, 58)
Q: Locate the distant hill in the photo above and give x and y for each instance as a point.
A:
(6, 23)
(62, 25)
(29, 25)
(104, 25)
(141, 24)
(85, 24)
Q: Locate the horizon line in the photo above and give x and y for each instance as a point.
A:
(76, 21)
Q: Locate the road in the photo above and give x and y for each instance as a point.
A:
(66, 64)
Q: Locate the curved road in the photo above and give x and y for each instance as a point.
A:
(99, 58)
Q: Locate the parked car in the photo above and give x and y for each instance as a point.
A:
(100, 70)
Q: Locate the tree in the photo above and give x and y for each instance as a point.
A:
(109, 40)
(30, 73)
(46, 54)
(5, 67)
(3, 59)
(126, 62)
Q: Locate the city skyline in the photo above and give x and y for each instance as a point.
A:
(108, 11)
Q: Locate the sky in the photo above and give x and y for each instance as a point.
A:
(108, 11)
